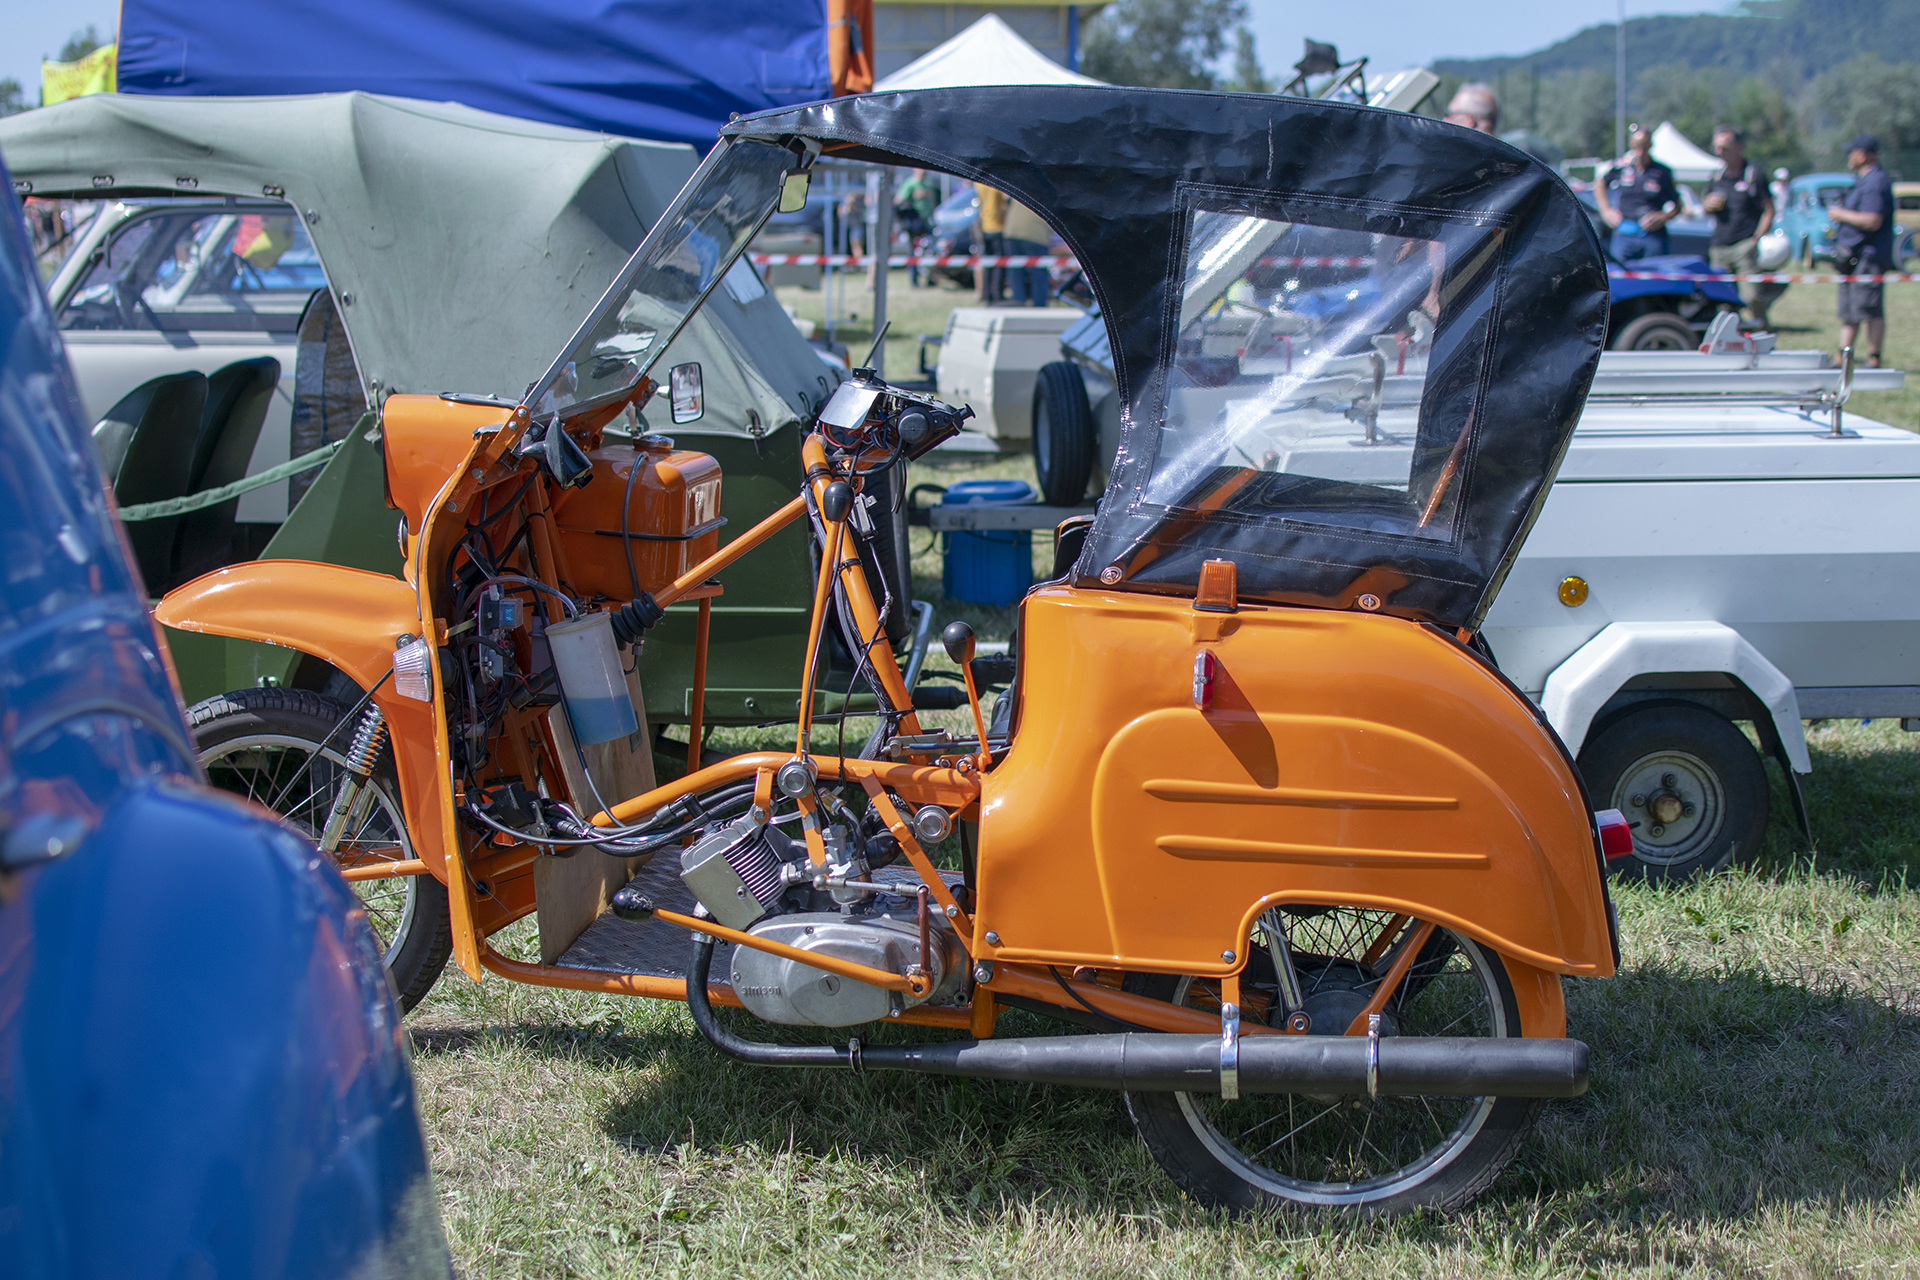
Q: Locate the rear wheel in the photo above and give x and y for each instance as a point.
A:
(1375, 1157)
(1690, 784)
(1657, 331)
(285, 749)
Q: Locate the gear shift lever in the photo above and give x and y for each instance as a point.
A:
(958, 639)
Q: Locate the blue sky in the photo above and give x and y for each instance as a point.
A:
(1391, 33)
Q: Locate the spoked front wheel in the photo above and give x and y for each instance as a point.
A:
(285, 749)
(1370, 1156)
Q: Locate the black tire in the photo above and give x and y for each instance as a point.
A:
(1064, 437)
(1373, 1158)
(1657, 331)
(258, 743)
(1667, 753)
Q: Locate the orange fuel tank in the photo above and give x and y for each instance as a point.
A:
(672, 502)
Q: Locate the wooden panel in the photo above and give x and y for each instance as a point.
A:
(571, 893)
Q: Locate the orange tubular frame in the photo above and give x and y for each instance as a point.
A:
(1116, 783)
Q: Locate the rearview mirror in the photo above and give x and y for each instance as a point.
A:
(793, 192)
(686, 392)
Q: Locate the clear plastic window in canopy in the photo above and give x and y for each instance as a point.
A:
(682, 258)
(1325, 368)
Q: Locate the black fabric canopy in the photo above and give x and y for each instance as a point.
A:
(1120, 173)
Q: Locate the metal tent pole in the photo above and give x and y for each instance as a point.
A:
(880, 246)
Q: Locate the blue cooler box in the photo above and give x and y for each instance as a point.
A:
(991, 566)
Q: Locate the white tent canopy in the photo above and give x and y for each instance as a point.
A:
(1688, 162)
(988, 52)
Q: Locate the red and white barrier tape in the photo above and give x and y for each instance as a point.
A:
(906, 260)
(992, 260)
(1770, 277)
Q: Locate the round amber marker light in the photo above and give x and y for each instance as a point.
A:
(1573, 592)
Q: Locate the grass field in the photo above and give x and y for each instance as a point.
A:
(1755, 1108)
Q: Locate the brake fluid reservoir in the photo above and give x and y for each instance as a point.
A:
(588, 664)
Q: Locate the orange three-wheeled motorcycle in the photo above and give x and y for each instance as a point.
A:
(1255, 805)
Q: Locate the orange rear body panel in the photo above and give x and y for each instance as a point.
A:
(1344, 758)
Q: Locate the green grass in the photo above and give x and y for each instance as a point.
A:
(1755, 1108)
(1804, 317)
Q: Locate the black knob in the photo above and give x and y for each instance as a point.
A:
(913, 427)
(958, 637)
(836, 501)
(629, 904)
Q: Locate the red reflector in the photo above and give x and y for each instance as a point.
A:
(1203, 667)
(1616, 837)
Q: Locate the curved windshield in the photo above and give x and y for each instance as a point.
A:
(683, 257)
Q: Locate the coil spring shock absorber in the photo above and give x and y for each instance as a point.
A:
(350, 804)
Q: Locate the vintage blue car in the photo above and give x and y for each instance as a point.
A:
(202, 1070)
(1809, 230)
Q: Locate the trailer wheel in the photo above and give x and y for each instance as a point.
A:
(1691, 785)
(285, 749)
(1369, 1157)
(1064, 437)
(1657, 331)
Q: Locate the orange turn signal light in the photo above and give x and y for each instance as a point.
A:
(1219, 588)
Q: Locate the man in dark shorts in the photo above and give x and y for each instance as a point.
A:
(1637, 198)
(1742, 210)
(1863, 245)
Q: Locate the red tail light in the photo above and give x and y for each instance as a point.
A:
(1203, 668)
(1616, 836)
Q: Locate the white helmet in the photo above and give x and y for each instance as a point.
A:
(1772, 250)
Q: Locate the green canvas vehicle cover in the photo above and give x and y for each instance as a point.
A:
(462, 247)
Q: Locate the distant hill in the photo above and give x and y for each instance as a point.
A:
(1797, 38)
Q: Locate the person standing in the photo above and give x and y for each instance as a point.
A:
(993, 224)
(913, 203)
(1025, 235)
(1474, 106)
(1863, 245)
(1743, 211)
(1637, 199)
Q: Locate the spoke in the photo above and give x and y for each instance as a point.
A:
(1289, 1133)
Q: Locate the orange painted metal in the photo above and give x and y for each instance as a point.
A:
(425, 439)
(1121, 1006)
(385, 870)
(713, 564)
(934, 881)
(859, 596)
(350, 618)
(1347, 758)
(674, 494)
(1396, 975)
(909, 984)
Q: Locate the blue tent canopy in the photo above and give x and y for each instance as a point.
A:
(660, 69)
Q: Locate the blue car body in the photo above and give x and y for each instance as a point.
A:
(1809, 230)
(201, 1067)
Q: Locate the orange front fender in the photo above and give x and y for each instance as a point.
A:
(350, 618)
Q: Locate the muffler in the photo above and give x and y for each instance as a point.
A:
(1391, 1066)
(1434, 1066)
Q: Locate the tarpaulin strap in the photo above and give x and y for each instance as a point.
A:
(214, 497)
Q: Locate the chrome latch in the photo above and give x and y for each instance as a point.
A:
(1230, 1052)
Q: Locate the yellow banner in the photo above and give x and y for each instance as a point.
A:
(91, 74)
